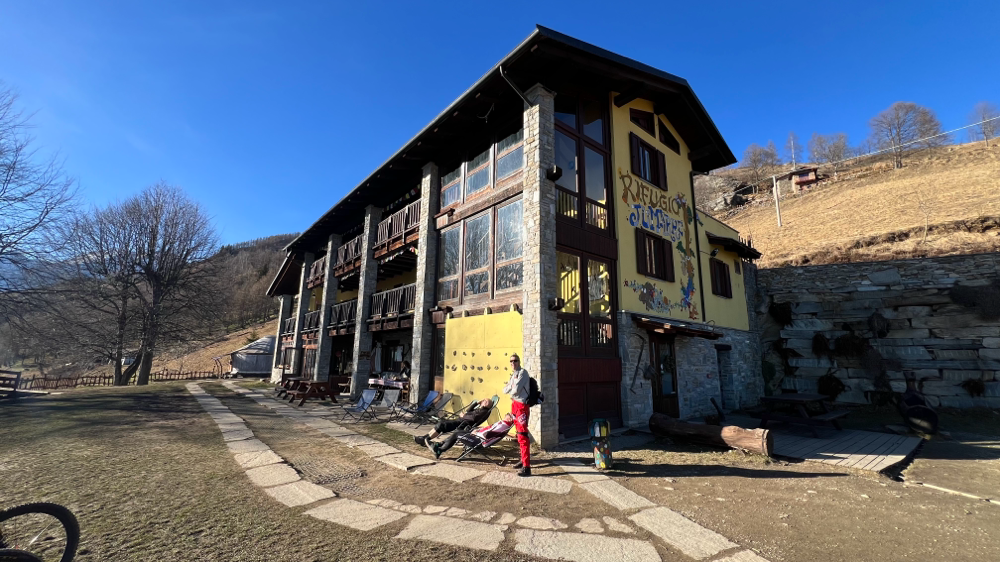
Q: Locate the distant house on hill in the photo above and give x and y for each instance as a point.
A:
(801, 177)
(253, 359)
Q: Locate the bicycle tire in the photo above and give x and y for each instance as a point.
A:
(60, 513)
(15, 555)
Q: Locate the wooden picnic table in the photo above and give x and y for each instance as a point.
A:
(313, 389)
(9, 381)
(288, 384)
(799, 404)
(382, 384)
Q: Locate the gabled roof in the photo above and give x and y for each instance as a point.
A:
(263, 346)
(554, 60)
(288, 277)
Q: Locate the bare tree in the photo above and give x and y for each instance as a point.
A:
(35, 194)
(986, 119)
(760, 162)
(793, 148)
(175, 240)
(904, 127)
(831, 150)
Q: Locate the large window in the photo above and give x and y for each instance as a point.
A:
(477, 255)
(483, 254)
(721, 284)
(580, 152)
(449, 263)
(586, 325)
(496, 166)
(653, 256)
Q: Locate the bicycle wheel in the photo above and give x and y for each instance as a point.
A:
(14, 555)
(47, 531)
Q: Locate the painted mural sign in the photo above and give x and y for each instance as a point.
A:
(651, 208)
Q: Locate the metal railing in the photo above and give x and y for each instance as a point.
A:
(288, 326)
(394, 301)
(344, 313)
(350, 250)
(399, 223)
(311, 320)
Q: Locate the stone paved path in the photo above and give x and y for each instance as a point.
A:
(586, 541)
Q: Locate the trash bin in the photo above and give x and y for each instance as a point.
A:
(600, 438)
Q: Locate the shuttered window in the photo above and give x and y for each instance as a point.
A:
(721, 284)
(654, 256)
(648, 163)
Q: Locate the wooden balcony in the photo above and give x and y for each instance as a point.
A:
(288, 326)
(311, 320)
(393, 309)
(342, 317)
(348, 256)
(317, 273)
(398, 229)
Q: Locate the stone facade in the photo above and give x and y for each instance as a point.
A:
(367, 279)
(284, 313)
(540, 282)
(330, 285)
(423, 330)
(300, 311)
(941, 342)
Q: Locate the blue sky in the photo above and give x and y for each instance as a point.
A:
(268, 112)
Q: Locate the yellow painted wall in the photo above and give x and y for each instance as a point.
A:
(404, 278)
(477, 358)
(346, 295)
(729, 313)
(670, 215)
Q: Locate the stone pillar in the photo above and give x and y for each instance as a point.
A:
(302, 308)
(367, 278)
(540, 277)
(330, 284)
(284, 313)
(423, 331)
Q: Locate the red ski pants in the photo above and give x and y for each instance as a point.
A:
(520, 413)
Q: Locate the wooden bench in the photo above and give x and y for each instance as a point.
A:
(9, 381)
(312, 389)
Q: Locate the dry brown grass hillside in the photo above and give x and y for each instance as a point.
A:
(202, 359)
(945, 201)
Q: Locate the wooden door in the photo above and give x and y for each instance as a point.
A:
(664, 376)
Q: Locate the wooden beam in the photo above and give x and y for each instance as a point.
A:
(629, 95)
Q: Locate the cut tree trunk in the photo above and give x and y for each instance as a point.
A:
(753, 440)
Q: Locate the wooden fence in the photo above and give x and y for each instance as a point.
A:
(50, 382)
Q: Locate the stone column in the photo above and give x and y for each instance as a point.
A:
(284, 312)
(540, 277)
(367, 278)
(330, 284)
(423, 331)
(303, 307)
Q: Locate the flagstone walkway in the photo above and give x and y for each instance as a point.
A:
(591, 541)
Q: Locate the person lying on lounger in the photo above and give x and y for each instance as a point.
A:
(473, 417)
(498, 429)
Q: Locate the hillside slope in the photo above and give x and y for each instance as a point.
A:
(952, 193)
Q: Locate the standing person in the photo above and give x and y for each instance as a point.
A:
(518, 387)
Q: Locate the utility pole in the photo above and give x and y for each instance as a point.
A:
(777, 204)
(792, 140)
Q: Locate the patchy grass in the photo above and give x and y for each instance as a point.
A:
(882, 216)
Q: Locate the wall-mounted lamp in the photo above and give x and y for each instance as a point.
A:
(715, 252)
(553, 173)
(557, 303)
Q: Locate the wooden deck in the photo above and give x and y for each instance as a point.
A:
(849, 448)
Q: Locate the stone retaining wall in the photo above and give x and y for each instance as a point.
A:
(943, 343)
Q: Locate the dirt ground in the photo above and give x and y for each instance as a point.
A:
(148, 475)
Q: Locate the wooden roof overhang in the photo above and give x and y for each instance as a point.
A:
(732, 245)
(286, 282)
(465, 128)
(669, 327)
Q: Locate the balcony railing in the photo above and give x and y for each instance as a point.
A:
(344, 313)
(317, 273)
(349, 251)
(288, 326)
(399, 224)
(394, 301)
(311, 320)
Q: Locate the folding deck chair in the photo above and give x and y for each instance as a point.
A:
(413, 410)
(362, 408)
(475, 444)
(433, 410)
(389, 403)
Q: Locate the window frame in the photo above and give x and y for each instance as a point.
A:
(662, 247)
(584, 317)
(488, 268)
(497, 264)
(583, 141)
(667, 138)
(494, 181)
(645, 120)
(457, 276)
(722, 285)
(658, 162)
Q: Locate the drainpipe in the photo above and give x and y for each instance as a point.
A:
(697, 246)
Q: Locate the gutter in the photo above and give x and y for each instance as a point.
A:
(697, 246)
